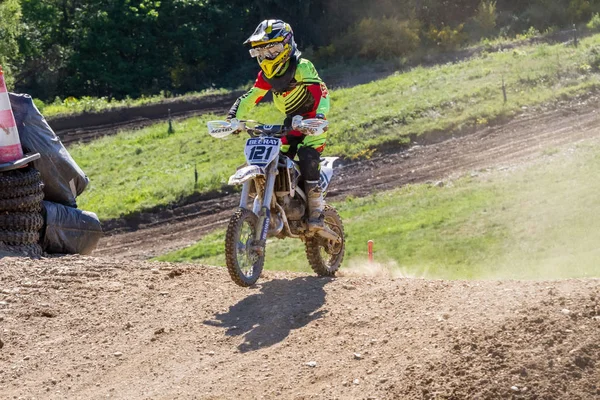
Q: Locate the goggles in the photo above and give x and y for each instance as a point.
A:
(269, 51)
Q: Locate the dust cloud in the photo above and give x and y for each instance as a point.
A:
(364, 268)
(553, 219)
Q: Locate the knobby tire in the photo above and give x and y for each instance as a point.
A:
(10, 180)
(28, 222)
(231, 241)
(28, 250)
(31, 203)
(21, 191)
(19, 237)
(313, 247)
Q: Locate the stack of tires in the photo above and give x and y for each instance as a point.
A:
(21, 220)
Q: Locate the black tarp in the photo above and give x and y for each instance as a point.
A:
(62, 177)
(69, 230)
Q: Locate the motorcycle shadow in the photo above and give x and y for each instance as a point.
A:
(268, 317)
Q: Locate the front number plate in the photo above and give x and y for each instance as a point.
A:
(261, 151)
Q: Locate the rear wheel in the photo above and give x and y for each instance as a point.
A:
(325, 256)
(244, 263)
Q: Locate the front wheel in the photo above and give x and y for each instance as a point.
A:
(244, 260)
(325, 256)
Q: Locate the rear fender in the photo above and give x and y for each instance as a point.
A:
(245, 174)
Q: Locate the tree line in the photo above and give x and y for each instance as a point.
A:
(119, 48)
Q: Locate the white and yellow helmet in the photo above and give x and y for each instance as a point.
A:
(272, 44)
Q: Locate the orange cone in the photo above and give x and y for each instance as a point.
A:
(10, 145)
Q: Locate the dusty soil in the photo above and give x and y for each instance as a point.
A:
(434, 158)
(91, 328)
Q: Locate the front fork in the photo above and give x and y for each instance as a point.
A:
(261, 209)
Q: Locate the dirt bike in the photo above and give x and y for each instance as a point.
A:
(274, 203)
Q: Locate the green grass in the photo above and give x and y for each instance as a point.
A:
(72, 105)
(137, 170)
(536, 221)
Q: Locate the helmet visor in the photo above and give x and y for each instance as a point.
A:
(269, 52)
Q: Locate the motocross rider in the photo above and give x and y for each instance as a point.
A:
(297, 90)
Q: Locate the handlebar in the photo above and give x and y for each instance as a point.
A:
(222, 129)
(276, 131)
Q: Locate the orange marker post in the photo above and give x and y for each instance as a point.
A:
(370, 248)
(10, 145)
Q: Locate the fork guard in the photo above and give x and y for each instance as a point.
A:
(245, 174)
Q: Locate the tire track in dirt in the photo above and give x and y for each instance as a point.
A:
(429, 160)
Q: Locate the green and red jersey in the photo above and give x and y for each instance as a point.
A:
(303, 94)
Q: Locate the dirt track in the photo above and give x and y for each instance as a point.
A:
(85, 328)
(91, 328)
(517, 141)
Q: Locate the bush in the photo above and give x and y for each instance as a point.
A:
(594, 24)
(447, 38)
(39, 104)
(529, 34)
(579, 10)
(325, 53)
(485, 19)
(593, 58)
(10, 27)
(544, 14)
(376, 39)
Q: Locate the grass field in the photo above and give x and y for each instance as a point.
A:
(528, 222)
(136, 170)
(72, 105)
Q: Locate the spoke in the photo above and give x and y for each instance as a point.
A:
(329, 250)
(245, 258)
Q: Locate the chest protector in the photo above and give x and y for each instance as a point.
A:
(284, 82)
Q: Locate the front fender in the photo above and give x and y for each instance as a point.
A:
(245, 174)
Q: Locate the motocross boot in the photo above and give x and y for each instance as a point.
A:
(315, 205)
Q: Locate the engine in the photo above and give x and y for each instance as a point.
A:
(294, 208)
